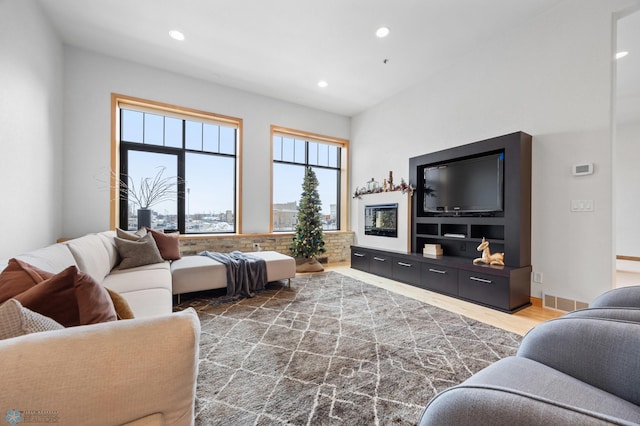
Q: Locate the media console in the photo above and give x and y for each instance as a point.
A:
(500, 287)
(506, 288)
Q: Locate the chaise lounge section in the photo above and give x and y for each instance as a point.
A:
(198, 273)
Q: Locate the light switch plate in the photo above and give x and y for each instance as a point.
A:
(582, 205)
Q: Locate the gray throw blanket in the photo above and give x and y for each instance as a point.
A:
(245, 273)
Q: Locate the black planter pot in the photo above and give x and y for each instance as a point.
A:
(144, 218)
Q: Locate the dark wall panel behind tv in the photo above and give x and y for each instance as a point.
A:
(512, 223)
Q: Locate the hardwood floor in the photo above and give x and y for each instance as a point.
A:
(627, 272)
(520, 322)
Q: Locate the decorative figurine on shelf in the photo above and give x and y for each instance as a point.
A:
(373, 186)
(487, 257)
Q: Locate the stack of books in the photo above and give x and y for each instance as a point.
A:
(432, 250)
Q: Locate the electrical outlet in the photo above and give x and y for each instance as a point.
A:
(537, 277)
(256, 246)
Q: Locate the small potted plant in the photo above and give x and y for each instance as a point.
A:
(149, 192)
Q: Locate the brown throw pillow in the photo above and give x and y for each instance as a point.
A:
(168, 244)
(94, 303)
(123, 310)
(70, 298)
(138, 253)
(19, 276)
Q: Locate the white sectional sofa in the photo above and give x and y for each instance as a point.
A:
(141, 371)
(147, 289)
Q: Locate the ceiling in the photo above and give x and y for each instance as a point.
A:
(282, 48)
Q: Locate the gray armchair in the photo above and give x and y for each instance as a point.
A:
(622, 297)
(620, 303)
(567, 371)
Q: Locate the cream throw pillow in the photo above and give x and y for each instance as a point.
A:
(16, 320)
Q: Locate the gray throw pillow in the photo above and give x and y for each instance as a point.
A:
(131, 236)
(16, 320)
(138, 253)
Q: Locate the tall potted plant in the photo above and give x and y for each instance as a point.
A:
(149, 192)
(309, 239)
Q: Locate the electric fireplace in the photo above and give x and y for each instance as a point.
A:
(381, 220)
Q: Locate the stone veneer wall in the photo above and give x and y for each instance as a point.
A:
(338, 244)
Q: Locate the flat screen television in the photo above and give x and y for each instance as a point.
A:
(467, 186)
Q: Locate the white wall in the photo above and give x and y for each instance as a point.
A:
(627, 175)
(401, 242)
(627, 136)
(90, 79)
(30, 129)
(551, 79)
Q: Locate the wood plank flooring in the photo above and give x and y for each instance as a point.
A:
(627, 271)
(520, 322)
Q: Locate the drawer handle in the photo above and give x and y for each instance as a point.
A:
(358, 254)
(408, 265)
(482, 280)
(379, 259)
(437, 271)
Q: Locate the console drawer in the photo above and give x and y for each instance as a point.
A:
(381, 264)
(360, 259)
(487, 289)
(406, 271)
(439, 278)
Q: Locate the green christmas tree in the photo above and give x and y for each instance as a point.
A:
(309, 239)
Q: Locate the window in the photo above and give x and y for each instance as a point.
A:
(293, 151)
(192, 154)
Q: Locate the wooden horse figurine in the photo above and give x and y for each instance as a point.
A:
(487, 257)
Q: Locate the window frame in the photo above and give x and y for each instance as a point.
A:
(119, 102)
(343, 161)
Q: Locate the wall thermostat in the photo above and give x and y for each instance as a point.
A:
(583, 169)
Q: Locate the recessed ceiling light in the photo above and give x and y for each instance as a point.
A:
(322, 83)
(176, 35)
(382, 32)
(621, 54)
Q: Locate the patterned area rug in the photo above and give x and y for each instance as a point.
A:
(332, 350)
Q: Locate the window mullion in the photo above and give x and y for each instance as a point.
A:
(181, 192)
